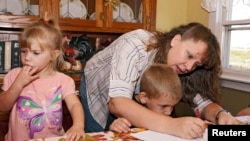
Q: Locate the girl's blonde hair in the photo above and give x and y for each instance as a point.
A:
(47, 34)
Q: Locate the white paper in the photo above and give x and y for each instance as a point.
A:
(149, 135)
(245, 119)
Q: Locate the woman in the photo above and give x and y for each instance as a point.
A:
(111, 77)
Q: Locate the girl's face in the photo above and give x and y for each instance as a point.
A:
(35, 57)
(185, 56)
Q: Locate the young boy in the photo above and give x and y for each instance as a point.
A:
(160, 91)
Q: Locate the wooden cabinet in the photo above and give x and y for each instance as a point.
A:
(67, 13)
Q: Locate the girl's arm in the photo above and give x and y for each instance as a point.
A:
(8, 97)
(76, 111)
(139, 116)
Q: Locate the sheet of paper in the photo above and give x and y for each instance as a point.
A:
(245, 119)
(149, 135)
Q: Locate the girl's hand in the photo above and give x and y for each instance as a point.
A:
(75, 133)
(189, 127)
(120, 125)
(26, 75)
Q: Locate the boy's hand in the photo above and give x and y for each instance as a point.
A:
(120, 125)
(189, 127)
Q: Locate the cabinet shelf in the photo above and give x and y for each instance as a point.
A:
(103, 23)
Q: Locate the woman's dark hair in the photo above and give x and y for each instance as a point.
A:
(202, 81)
(205, 79)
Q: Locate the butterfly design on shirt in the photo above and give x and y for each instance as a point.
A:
(38, 115)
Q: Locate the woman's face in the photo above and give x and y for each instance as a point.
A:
(185, 56)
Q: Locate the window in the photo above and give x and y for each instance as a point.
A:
(230, 22)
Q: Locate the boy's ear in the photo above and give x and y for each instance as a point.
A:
(142, 97)
(175, 40)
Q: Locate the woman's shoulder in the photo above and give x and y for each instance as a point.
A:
(140, 32)
(135, 37)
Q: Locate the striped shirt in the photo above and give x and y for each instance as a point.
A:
(116, 71)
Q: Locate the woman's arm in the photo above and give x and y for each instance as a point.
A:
(139, 116)
(216, 114)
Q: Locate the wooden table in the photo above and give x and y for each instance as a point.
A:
(101, 136)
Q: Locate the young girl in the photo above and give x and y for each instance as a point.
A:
(34, 92)
(160, 91)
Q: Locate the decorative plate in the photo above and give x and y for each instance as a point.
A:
(72, 9)
(18, 8)
(34, 9)
(92, 16)
(123, 13)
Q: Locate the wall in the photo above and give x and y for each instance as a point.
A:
(195, 13)
(235, 100)
(171, 13)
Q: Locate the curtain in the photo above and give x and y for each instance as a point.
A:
(212, 5)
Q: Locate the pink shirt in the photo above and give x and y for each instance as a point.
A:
(37, 112)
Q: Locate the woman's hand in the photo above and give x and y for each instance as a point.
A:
(226, 118)
(75, 133)
(120, 125)
(244, 112)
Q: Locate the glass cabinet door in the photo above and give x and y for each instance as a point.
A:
(77, 9)
(128, 11)
(19, 7)
(126, 15)
(32, 8)
(78, 15)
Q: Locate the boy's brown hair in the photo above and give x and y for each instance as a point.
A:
(160, 79)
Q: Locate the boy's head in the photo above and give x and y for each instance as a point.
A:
(160, 89)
